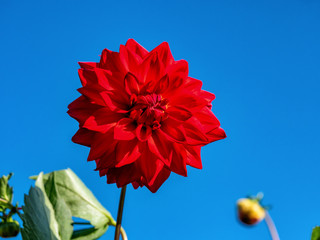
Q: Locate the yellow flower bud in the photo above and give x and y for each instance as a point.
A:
(250, 211)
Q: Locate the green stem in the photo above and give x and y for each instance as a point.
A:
(272, 227)
(19, 214)
(13, 209)
(4, 201)
(120, 211)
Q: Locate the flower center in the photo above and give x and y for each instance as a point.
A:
(148, 109)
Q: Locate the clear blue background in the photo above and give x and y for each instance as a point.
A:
(260, 58)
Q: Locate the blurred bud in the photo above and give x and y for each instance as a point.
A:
(250, 211)
(9, 229)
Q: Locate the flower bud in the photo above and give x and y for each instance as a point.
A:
(9, 229)
(250, 211)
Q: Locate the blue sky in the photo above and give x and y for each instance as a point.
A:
(260, 58)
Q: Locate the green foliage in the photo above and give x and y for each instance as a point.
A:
(8, 226)
(51, 204)
(61, 210)
(89, 233)
(80, 199)
(315, 233)
(6, 192)
(39, 220)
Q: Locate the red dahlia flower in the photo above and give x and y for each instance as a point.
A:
(142, 116)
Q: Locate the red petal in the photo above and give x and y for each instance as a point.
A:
(135, 47)
(93, 78)
(131, 84)
(103, 81)
(195, 132)
(84, 137)
(93, 125)
(151, 69)
(103, 144)
(164, 53)
(135, 185)
(88, 65)
(161, 147)
(143, 132)
(127, 152)
(148, 163)
(115, 102)
(159, 178)
(125, 129)
(106, 162)
(180, 66)
(207, 119)
(81, 109)
(173, 130)
(102, 120)
(192, 85)
(120, 99)
(176, 82)
(123, 175)
(188, 101)
(194, 157)
(129, 60)
(216, 134)
(111, 61)
(178, 113)
(178, 163)
(94, 95)
(177, 73)
(208, 96)
(161, 85)
(114, 80)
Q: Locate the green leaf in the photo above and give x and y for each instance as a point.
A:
(6, 192)
(39, 219)
(315, 233)
(62, 212)
(81, 202)
(89, 233)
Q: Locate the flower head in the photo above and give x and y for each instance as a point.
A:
(142, 116)
(250, 211)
